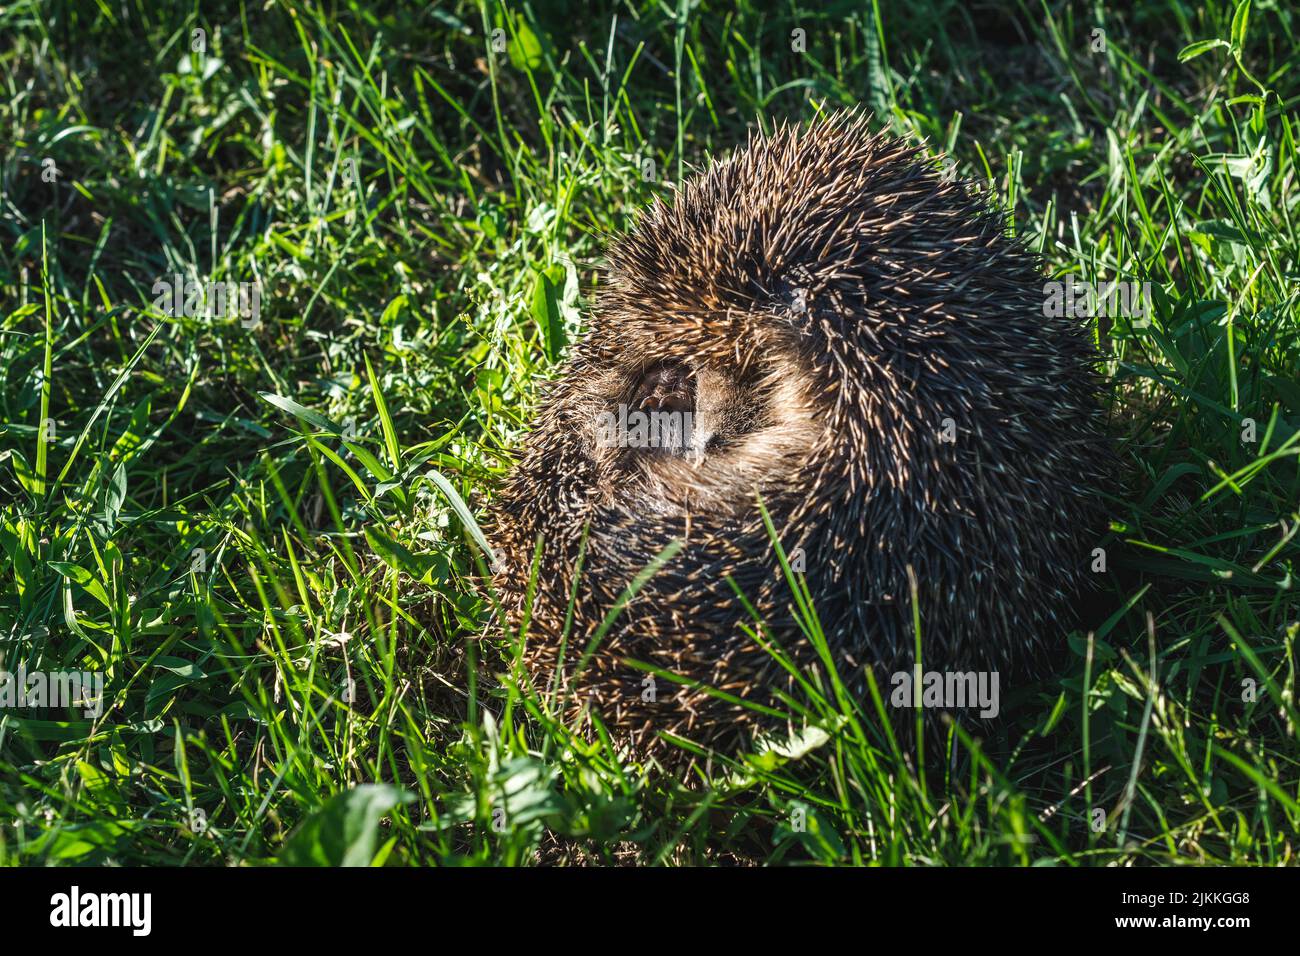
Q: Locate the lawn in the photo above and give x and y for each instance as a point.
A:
(259, 524)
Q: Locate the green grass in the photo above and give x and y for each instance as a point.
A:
(234, 523)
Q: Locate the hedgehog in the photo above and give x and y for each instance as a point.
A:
(825, 344)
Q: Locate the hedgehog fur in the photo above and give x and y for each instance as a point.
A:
(863, 349)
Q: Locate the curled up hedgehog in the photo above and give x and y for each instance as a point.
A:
(824, 324)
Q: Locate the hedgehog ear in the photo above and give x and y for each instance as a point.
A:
(794, 295)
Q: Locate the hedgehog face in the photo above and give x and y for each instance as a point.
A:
(702, 411)
(664, 399)
(698, 438)
(822, 324)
